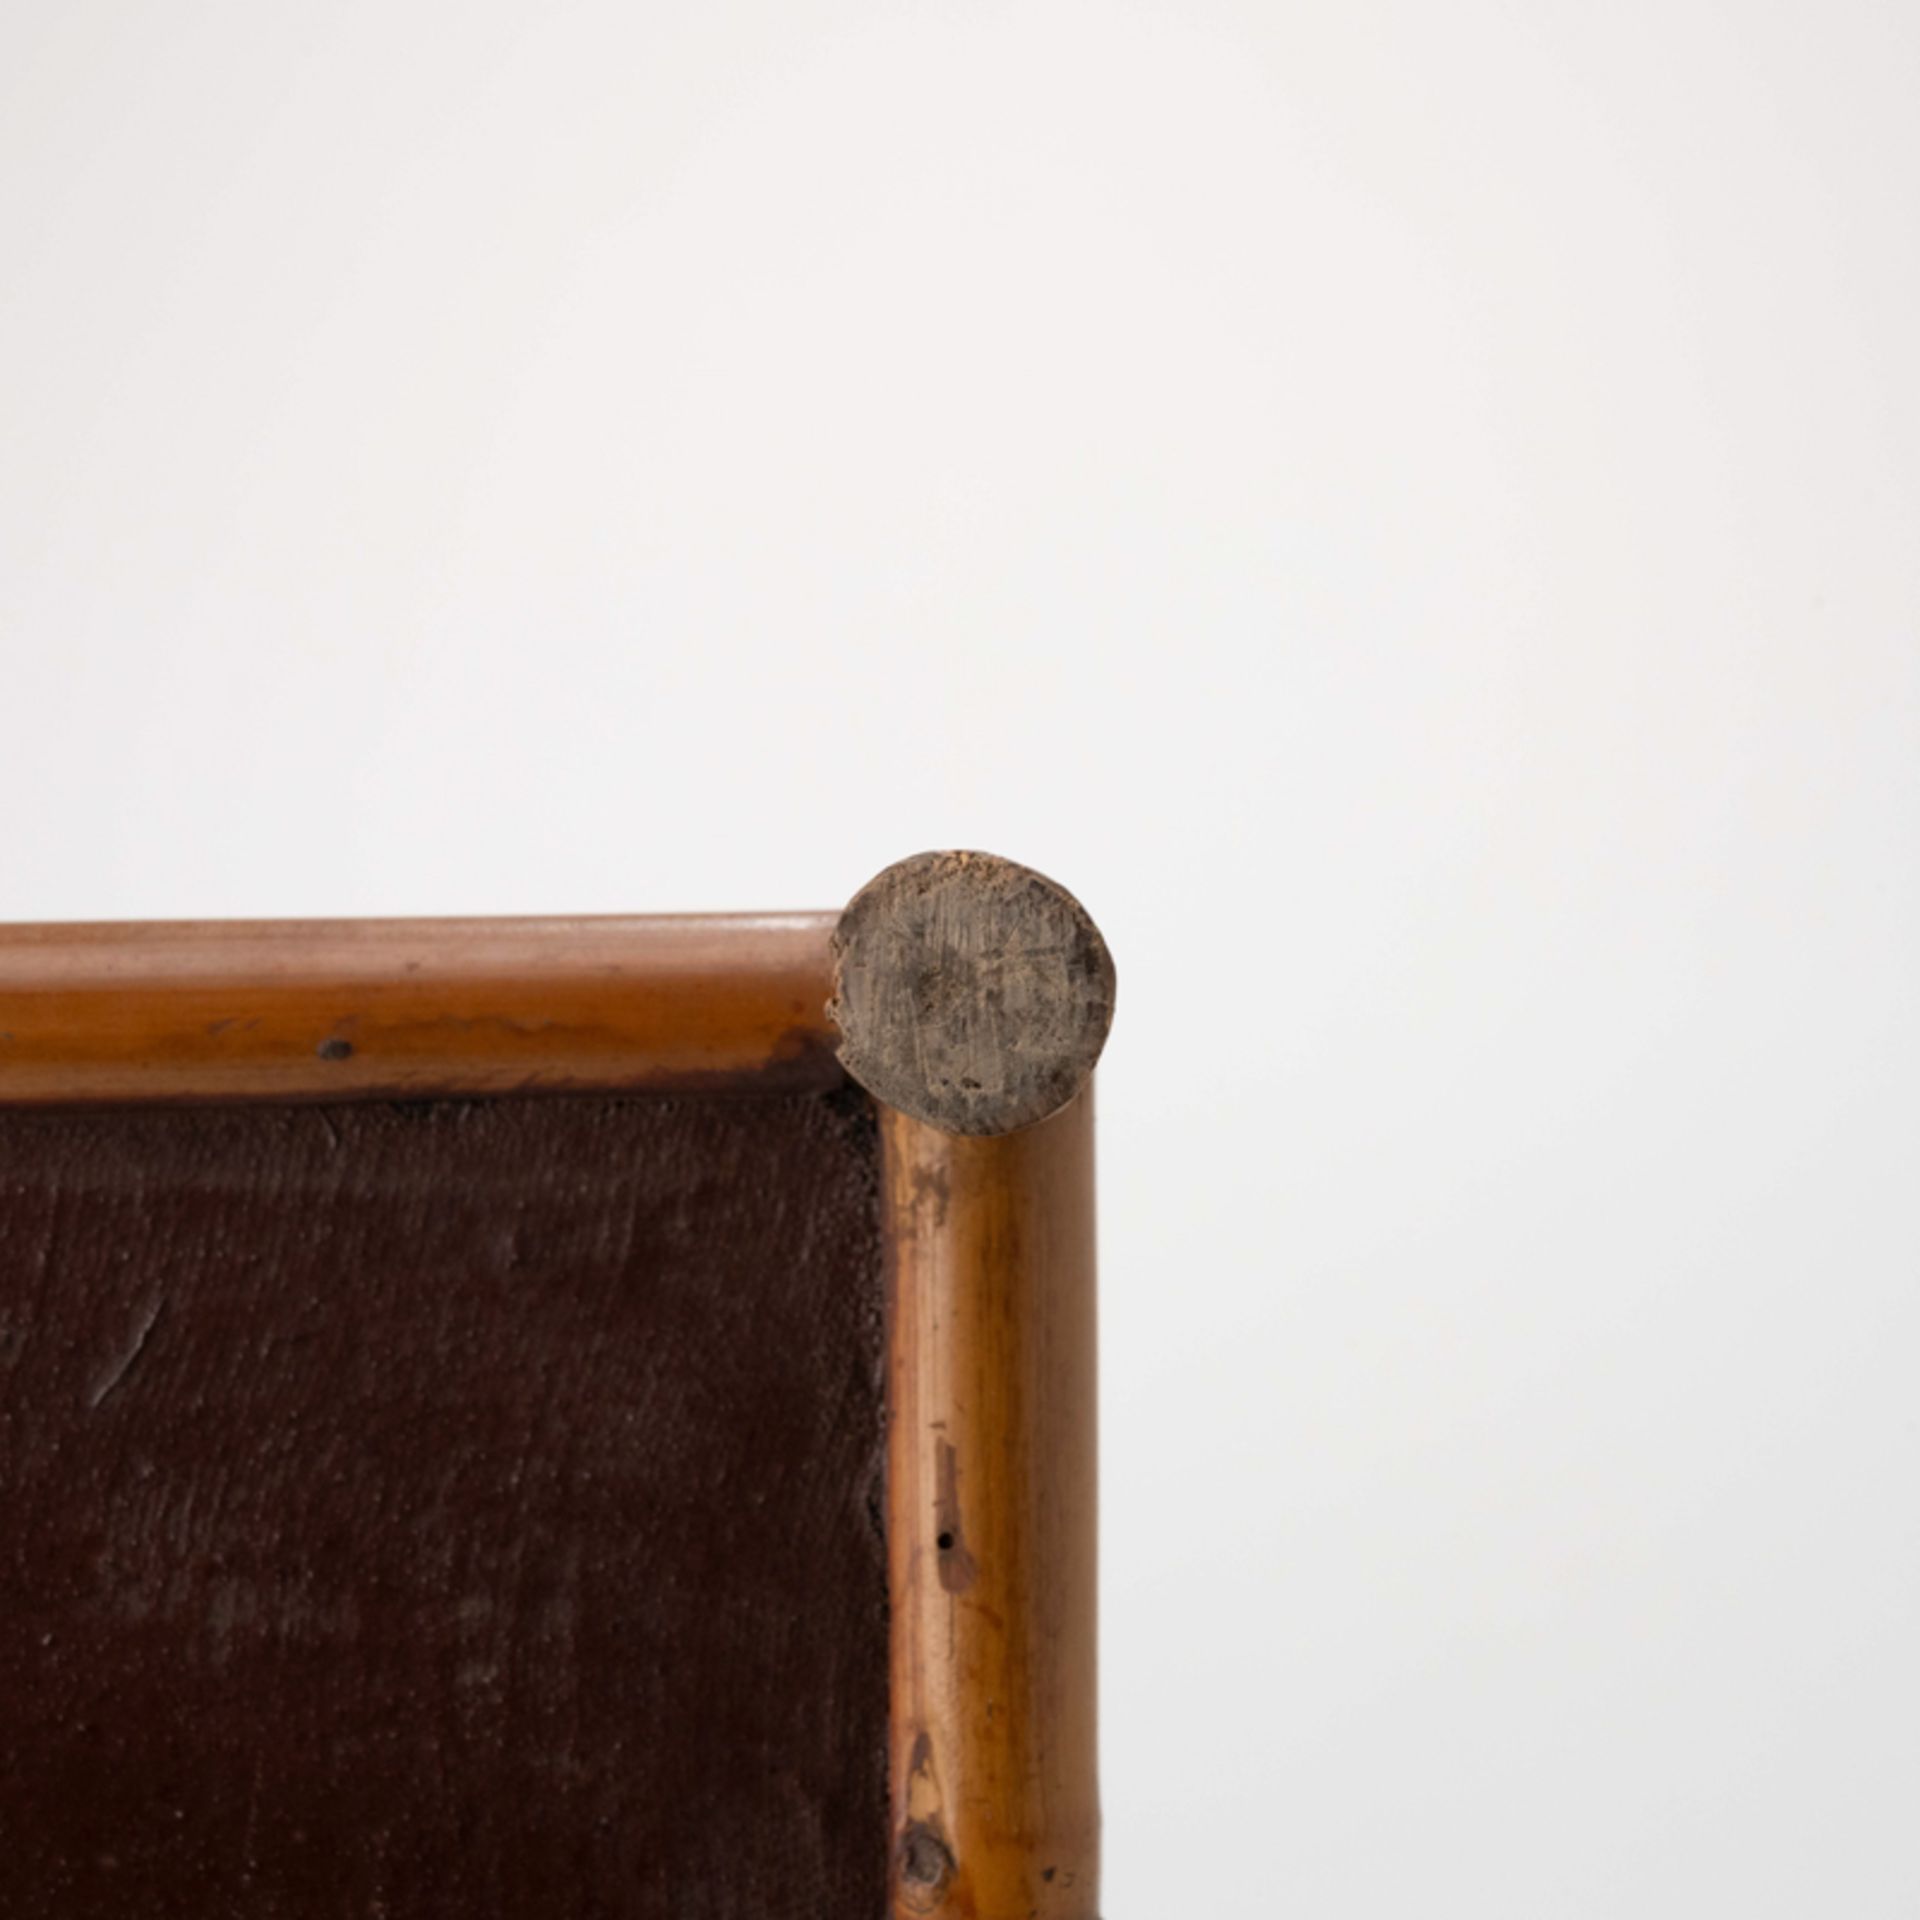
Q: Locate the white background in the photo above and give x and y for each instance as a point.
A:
(1409, 510)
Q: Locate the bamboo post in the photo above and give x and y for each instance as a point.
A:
(973, 998)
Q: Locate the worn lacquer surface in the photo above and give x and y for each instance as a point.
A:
(462, 1508)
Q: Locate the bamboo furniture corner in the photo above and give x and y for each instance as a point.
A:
(966, 999)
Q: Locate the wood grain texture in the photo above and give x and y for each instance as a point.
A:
(333, 1010)
(458, 1508)
(970, 992)
(991, 1519)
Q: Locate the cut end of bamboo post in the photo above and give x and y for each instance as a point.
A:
(970, 992)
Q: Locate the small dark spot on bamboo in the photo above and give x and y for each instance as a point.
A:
(955, 1563)
(926, 1861)
(335, 1049)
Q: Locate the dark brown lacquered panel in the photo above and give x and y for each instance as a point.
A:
(459, 1509)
